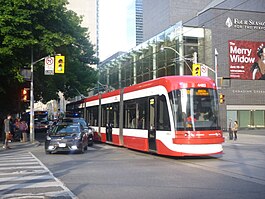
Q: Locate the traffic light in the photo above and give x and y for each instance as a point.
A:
(25, 95)
(196, 70)
(59, 64)
(221, 98)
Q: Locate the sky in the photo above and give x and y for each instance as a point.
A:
(116, 27)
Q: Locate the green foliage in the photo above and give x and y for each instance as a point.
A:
(45, 28)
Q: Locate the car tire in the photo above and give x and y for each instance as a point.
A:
(90, 141)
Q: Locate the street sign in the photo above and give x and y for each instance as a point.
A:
(204, 70)
(49, 66)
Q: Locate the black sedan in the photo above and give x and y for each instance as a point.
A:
(66, 137)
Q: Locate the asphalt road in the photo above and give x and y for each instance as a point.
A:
(105, 171)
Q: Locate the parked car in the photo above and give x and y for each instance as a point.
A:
(66, 137)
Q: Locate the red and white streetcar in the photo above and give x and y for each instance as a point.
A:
(172, 115)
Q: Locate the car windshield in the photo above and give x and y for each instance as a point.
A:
(65, 129)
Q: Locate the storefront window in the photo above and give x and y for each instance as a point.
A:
(244, 119)
(258, 119)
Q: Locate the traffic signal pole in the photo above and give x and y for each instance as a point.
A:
(31, 123)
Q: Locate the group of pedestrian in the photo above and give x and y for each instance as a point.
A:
(232, 129)
(16, 131)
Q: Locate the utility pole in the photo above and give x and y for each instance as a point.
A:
(215, 66)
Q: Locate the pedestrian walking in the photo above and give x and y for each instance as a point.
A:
(7, 129)
(24, 128)
(230, 129)
(235, 129)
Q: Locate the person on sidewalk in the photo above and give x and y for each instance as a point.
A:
(235, 129)
(24, 128)
(230, 129)
(7, 128)
(17, 130)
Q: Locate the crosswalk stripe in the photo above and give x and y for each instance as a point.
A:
(25, 178)
(52, 194)
(34, 185)
(14, 167)
(20, 163)
(21, 173)
(24, 172)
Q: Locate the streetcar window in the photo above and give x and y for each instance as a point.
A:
(162, 114)
(114, 115)
(195, 109)
(92, 114)
(110, 115)
(103, 115)
(135, 113)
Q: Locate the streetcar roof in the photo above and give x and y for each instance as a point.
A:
(169, 82)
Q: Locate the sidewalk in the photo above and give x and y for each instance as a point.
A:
(19, 145)
(245, 137)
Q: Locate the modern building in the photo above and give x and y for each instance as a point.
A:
(88, 9)
(225, 34)
(160, 15)
(139, 21)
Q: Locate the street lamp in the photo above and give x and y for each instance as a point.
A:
(182, 58)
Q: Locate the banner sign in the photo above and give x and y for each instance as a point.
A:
(244, 59)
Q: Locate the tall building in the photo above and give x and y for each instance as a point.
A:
(159, 15)
(139, 21)
(88, 9)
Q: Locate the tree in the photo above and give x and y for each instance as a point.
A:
(43, 28)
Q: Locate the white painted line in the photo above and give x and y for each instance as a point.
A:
(25, 178)
(34, 185)
(20, 163)
(23, 172)
(52, 194)
(71, 194)
(15, 168)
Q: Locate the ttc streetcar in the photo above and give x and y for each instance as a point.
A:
(172, 115)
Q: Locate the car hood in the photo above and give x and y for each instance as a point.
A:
(64, 136)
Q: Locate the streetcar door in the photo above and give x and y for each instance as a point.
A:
(151, 125)
(109, 124)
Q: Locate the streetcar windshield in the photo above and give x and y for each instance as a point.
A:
(195, 109)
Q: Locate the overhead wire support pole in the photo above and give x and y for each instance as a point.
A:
(216, 67)
(181, 57)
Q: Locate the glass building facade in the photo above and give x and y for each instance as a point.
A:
(168, 53)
